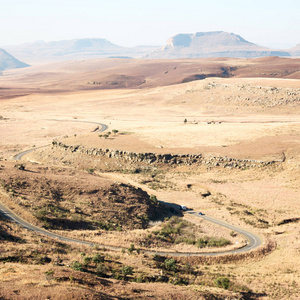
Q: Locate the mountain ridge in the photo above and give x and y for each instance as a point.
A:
(8, 62)
(212, 44)
(183, 45)
(87, 48)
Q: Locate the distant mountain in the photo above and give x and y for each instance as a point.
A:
(295, 51)
(41, 51)
(8, 62)
(211, 44)
(199, 45)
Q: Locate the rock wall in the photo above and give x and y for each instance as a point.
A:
(170, 159)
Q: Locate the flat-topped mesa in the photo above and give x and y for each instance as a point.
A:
(169, 159)
(211, 44)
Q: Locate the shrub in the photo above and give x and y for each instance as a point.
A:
(77, 266)
(50, 272)
(41, 214)
(98, 259)
(127, 270)
(212, 242)
(153, 199)
(87, 260)
(222, 282)
(202, 242)
(101, 270)
(91, 170)
(131, 248)
(139, 279)
(170, 265)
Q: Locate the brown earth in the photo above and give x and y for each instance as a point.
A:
(243, 118)
(134, 73)
(35, 267)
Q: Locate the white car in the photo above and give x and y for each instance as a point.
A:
(183, 207)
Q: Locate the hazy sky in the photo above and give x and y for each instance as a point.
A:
(270, 23)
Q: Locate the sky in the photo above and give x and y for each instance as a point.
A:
(271, 23)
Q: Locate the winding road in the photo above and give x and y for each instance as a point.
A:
(254, 240)
(102, 127)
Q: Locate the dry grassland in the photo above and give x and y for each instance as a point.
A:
(240, 118)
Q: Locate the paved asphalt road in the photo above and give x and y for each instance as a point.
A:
(254, 241)
(101, 127)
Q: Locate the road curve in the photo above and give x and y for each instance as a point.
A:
(254, 241)
(102, 127)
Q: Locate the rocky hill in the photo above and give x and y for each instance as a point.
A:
(58, 201)
(212, 44)
(295, 51)
(8, 62)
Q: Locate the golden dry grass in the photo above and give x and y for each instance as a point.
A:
(257, 122)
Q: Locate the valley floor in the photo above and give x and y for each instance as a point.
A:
(239, 147)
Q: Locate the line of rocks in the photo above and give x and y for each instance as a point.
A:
(170, 159)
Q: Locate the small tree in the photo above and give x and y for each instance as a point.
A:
(185, 121)
(115, 131)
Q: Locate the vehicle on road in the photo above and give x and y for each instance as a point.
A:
(201, 214)
(183, 207)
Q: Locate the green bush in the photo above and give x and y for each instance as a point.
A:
(41, 214)
(131, 248)
(77, 266)
(127, 270)
(170, 265)
(98, 259)
(91, 170)
(202, 242)
(87, 260)
(222, 282)
(212, 242)
(153, 199)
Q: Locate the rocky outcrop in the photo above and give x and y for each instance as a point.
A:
(169, 159)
